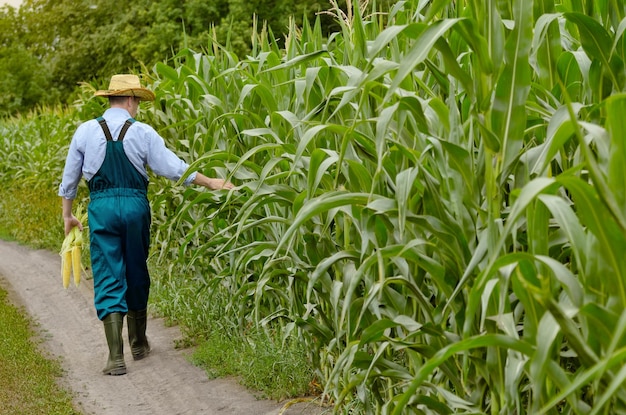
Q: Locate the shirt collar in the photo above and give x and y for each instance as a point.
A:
(116, 113)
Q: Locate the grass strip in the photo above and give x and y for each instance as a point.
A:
(28, 380)
(275, 371)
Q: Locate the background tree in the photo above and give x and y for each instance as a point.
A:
(24, 80)
(53, 45)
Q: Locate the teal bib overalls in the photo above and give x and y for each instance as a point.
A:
(119, 228)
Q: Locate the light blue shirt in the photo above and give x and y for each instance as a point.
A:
(142, 144)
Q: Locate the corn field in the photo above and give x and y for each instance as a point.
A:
(431, 201)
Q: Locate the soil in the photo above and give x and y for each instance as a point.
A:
(164, 383)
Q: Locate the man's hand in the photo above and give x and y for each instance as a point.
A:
(70, 223)
(68, 217)
(211, 183)
(217, 184)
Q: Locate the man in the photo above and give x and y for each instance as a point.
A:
(112, 153)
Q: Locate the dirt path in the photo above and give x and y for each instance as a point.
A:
(164, 383)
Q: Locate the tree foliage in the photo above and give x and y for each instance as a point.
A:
(48, 47)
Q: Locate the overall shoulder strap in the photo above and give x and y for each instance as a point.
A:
(125, 128)
(107, 132)
(105, 128)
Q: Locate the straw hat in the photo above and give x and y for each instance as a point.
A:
(126, 86)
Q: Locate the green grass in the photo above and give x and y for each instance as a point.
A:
(28, 379)
(260, 359)
(31, 216)
(277, 371)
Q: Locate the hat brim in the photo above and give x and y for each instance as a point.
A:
(142, 93)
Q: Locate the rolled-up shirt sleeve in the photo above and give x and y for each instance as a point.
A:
(164, 162)
(72, 172)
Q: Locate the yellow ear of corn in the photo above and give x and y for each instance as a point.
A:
(67, 267)
(71, 251)
(76, 266)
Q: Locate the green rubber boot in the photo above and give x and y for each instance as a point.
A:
(137, 322)
(113, 330)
